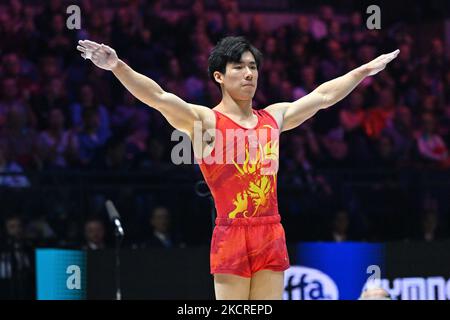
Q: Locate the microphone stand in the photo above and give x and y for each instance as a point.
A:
(119, 234)
(119, 238)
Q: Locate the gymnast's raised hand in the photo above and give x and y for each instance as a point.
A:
(101, 55)
(379, 63)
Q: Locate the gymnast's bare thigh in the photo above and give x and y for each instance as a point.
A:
(262, 285)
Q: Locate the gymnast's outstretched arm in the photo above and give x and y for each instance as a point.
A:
(291, 114)
(180, 114)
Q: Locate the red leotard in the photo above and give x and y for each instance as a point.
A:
(248, 236)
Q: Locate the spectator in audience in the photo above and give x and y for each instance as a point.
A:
(56, 143)
(336, 149)
(88, 101)
(15, 180)
(94, 234)
(54, 96)
(40, 232)
(308, 78)
(174, 80)
(380, 116)
(352, 116)
(301, 28)
(12, 69)
(431, 226)
(58, 41)
(401, 132)
(257, 30)
(161, 234)
(114, 157)
(21, 140)
(88, 141)
(136, 142)
(16, 259)
(340, 228)
(384, 156)
(431, 146)
(351, 119)
(126, 114)
(9, 99)
(355, 26)
(153, 156)
(334, 64)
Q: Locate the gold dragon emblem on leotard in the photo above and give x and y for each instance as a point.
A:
(260, 179)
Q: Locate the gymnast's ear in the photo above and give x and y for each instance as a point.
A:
(218, 76)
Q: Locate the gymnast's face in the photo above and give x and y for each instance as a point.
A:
(240, 79)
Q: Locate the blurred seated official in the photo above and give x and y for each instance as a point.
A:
(431, 228)
(94, 234)
(16, 261)
(340, 228)
(161, 235)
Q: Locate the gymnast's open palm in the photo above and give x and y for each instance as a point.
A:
(101, 55)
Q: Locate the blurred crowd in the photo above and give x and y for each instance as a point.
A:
(58, 112)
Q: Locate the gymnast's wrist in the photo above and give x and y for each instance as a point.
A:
(362, 71)
(119, 65)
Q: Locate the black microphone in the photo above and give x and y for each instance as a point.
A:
(114, 216)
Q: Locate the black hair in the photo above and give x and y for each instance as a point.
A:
(230, 49)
